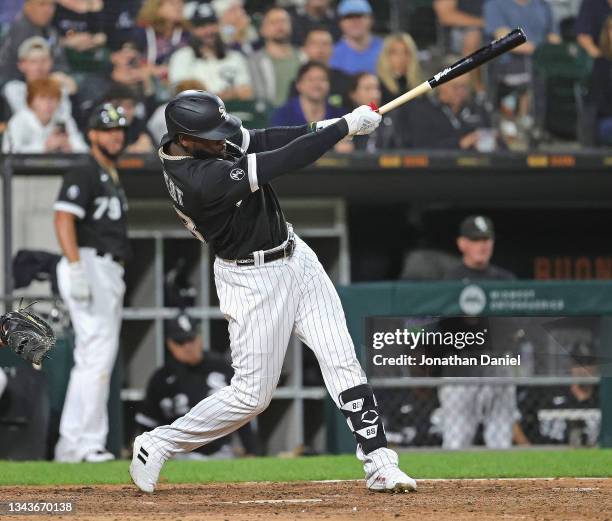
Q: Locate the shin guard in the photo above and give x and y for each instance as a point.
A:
(360, 409)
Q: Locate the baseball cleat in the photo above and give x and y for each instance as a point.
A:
(392, 479)
(146, 464)
(98, 456)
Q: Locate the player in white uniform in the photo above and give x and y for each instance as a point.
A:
(269, 282)
(91, 228)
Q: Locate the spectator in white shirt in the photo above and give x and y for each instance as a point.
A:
(35, 62)
(39, 128)
(206, 59)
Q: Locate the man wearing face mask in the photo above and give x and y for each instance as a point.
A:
(206, 59)
(91, 228)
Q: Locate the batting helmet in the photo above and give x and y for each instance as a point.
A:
(200, 114)
(107, 117)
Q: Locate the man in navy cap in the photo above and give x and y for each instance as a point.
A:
(358, 50)
(465, 407)
(475, 242)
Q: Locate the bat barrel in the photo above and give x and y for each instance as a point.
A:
(476, 59)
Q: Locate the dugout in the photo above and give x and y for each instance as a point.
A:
(535, 199)
(489, 299)
(30, 409)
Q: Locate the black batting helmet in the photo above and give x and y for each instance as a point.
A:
(200, 114)
(107, 117)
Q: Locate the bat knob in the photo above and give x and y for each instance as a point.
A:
(373, 106)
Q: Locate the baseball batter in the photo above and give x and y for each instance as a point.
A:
(269, 282)
(91, 227)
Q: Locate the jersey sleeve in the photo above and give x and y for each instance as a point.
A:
(226, 182)
(75, 193)
(263, 140)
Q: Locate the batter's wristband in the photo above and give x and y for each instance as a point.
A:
(320, 125)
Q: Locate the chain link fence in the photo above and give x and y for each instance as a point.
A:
(497, 413)
(551, 398)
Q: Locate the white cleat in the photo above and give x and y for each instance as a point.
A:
(146, 464)
(382, 471)
(392, 479)
(98, 456)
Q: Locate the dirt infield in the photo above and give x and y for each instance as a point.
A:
(455, 500)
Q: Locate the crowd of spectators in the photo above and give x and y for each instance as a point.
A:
(302, 60)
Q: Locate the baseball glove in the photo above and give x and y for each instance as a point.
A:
(27, 334)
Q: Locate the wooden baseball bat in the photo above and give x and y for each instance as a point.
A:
(467, 64)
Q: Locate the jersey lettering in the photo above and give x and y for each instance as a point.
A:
(108, 205)
(190, 225)
(175, 192)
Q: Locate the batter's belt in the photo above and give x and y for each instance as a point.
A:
(263, 256)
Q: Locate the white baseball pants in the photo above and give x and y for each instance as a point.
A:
(84, 423)
(465, 407)
(264, 305)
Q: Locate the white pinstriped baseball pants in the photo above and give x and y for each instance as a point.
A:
(264, 305)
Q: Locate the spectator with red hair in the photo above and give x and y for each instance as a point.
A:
(40, 128)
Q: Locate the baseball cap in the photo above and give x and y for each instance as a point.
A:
(352, 7)
(35, 43)
(203, 14)
(106, 117)
(477, 227)
(181, 329)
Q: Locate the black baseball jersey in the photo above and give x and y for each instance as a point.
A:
(221, 202)
(228, 201)
(175, 388)
(555, 415)
(100, 205)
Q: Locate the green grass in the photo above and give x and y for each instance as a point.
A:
(472, 464)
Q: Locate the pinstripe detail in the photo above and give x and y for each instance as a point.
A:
(264, 305)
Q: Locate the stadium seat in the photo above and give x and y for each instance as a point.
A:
(560, 73)
(422, 23)
(253, 113)
(86, 62)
